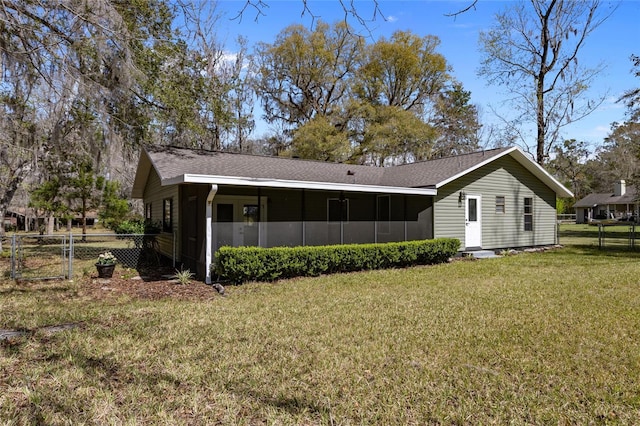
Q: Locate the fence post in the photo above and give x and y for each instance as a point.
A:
(71, 254)
(600, 236)
(13, 256)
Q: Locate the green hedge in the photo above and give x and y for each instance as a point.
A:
(241, 264)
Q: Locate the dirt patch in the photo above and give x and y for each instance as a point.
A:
(147, 289)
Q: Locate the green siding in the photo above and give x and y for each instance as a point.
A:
(154, 194)
(502, 177)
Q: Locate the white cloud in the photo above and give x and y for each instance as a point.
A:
(392, 18)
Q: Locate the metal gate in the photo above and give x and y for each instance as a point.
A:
(40, 257)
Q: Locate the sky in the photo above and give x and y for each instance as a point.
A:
(612, 44)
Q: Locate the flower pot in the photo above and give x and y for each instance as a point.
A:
(105, 271)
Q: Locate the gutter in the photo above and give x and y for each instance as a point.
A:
(207, 233)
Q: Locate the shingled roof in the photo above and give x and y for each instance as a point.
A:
(608, 198)
(180, 165)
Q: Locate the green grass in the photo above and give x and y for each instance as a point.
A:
(544, 338)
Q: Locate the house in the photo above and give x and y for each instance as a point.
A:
(621, 204)
(490, 199)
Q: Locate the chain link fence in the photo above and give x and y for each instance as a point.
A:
(605, 236)
(36, 257)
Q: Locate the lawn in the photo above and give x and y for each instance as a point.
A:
(536, 338)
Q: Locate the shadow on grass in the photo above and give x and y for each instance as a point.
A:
(592, 251)
(30, 289)
(105, 370)
(293, 405)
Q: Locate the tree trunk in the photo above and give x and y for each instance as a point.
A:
(540, 121)
(84, 220)
(6, 196)
(3, 212)
(51, 221)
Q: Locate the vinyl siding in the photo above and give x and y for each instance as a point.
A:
(503, 177)
(155, 194)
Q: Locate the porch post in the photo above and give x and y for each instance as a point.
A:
(341, 217)
(376, 209)
(302, 217)
(259, 214)
(404, 214)
(208, 230)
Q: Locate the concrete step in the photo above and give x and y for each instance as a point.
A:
(480, 254)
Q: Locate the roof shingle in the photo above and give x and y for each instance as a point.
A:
(173, 161)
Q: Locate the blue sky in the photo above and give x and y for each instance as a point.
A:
(612, 43)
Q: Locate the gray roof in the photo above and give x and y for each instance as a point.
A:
(608, 198)
(173, 164)
(434, 172)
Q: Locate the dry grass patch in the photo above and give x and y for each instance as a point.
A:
(536, 338)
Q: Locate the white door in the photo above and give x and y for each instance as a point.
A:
(473, 222)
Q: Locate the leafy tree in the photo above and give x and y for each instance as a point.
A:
(389, 99)
(47, 200)
(570, 166)
(320, 140)
(404, 71)
(457, 122)
(632, 97)
(306, 73)
(114, 208)
(619, 157)
(60, 59)
(533, 50)
(84, 192)
(391, 135)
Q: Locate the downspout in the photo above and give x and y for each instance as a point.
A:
(208, 232)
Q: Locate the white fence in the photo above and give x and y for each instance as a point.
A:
(567, 218)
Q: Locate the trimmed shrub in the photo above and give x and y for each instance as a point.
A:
(241, 264)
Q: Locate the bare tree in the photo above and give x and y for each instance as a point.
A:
(533, 50)
(52, 53)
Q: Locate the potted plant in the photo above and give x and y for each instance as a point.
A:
(106, 264)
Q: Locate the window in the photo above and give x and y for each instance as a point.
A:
(250, 214)
(500, 206)
(147, 212)
(528, 214)
(337, 210)
(384, 214)
(167, 214)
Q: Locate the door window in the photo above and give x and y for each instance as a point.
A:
(250, 214)
(473, 210)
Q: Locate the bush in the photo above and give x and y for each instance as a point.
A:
(137, 226)
(241, 264)
(133, 226)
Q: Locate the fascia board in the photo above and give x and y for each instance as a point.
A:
(541, 173)
(294, 184)
(142, 174)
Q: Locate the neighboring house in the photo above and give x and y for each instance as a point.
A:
(28, 219)
(621, 204)
(491, 199)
